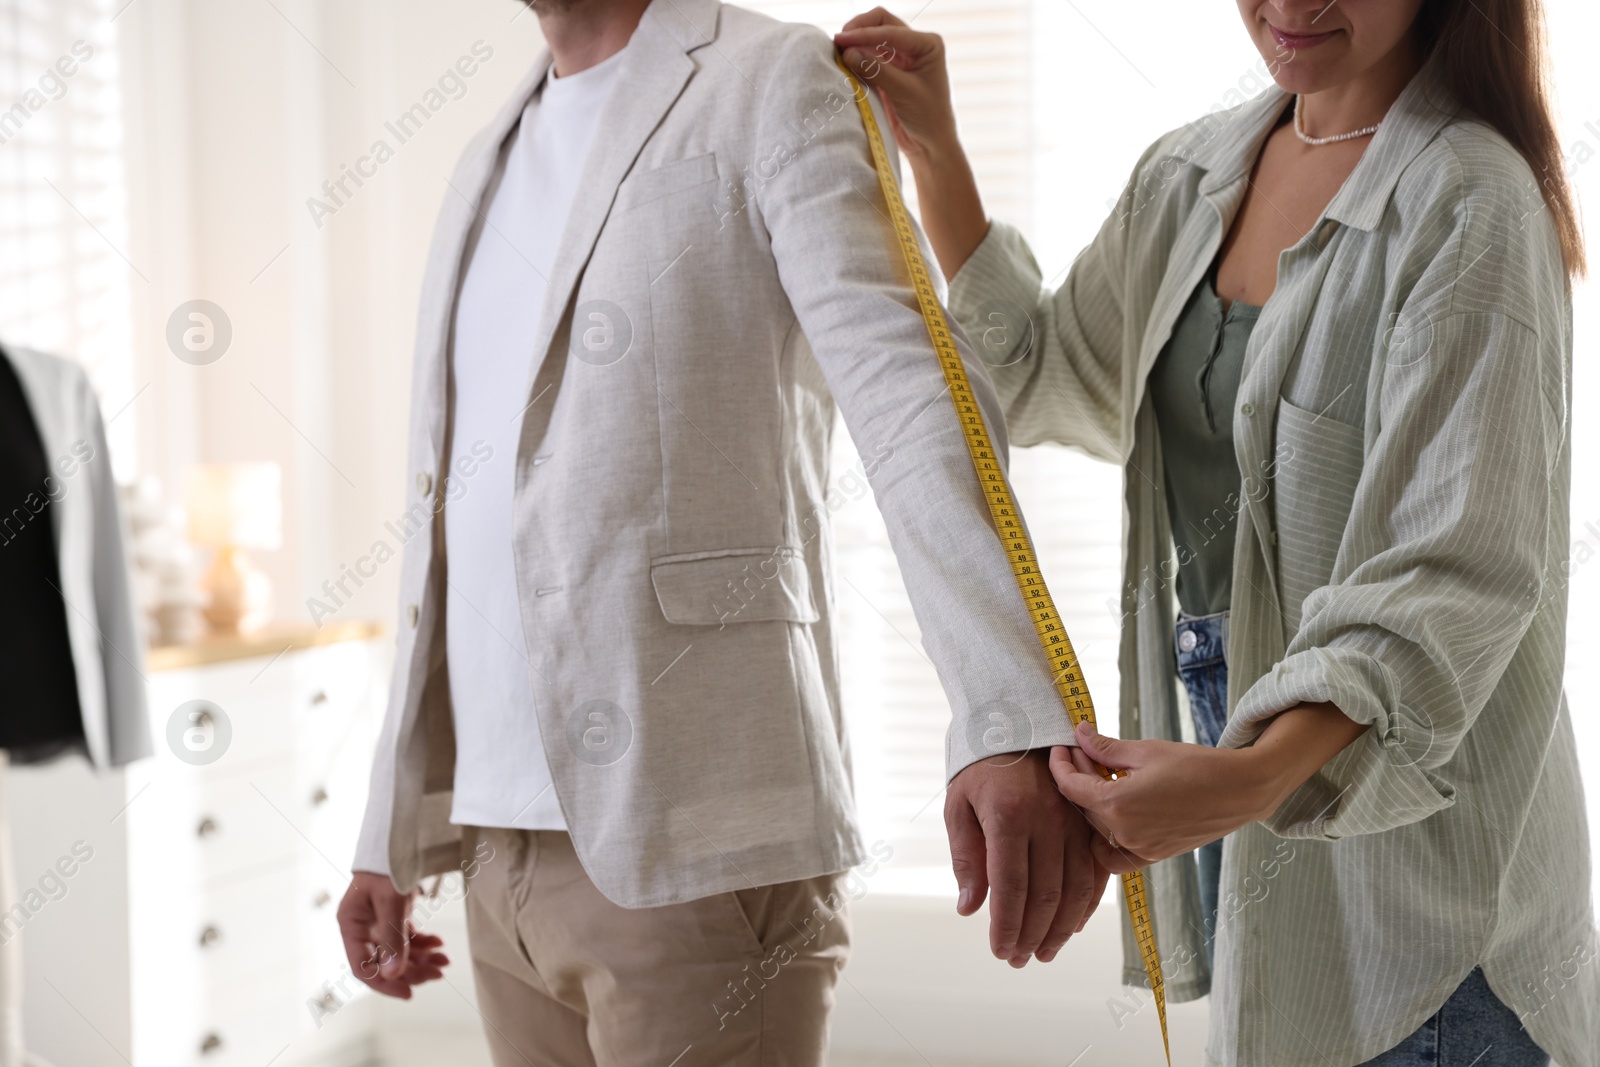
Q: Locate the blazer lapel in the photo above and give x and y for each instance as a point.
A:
(460, 212)
(654, 71)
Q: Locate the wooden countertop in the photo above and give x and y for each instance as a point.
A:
(274, 640)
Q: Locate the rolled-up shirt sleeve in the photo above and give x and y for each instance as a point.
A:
(1438, 575)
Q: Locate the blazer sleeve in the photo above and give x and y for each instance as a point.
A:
(121, 639)
(1056, 358)
(372, 844)
(845, 277)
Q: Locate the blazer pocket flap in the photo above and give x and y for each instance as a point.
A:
(652, 185)
(734, 585)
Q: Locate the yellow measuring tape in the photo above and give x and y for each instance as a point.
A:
(1024, 565)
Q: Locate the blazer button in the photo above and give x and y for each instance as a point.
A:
(412, 613)
(424, 483)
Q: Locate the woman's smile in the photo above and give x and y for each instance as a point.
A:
(1297, 41)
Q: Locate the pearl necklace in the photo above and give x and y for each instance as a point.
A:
(1299, 130)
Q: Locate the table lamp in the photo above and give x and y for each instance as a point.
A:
(234, 507)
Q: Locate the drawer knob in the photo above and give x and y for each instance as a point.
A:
(210, 1043)
(319, 796)
(210, 936)
(207, 827)
(319, 697)
(322, 899)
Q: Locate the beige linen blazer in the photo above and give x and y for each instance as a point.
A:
(727, 275)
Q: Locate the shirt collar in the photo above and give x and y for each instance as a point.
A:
(1417, 114)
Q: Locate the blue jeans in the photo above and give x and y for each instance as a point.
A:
(1473, 1029)
(1201, 642)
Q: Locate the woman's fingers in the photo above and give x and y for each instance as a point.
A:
(1067, 760)
(876, 17)
(1116, 859)
(1080, 781)
(1089, 792)
(1113, 752)
(1081, 760)
(907, 69)
(894, 46)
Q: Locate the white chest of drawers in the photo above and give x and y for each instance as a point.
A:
(240, 832)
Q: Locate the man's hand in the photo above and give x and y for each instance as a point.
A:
(383, 948)
(1012, 832)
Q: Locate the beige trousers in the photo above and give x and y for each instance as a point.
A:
(566, 978)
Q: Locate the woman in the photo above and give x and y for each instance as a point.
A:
(1327, 334)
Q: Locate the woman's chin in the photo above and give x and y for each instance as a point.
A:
(1304, 79)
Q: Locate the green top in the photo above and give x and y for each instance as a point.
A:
(1193, 386)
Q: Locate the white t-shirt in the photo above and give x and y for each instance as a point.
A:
(502, 777)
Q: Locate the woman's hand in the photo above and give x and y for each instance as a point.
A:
(907, 68)
(1170, 798)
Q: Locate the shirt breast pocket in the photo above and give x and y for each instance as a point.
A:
(1313, 489)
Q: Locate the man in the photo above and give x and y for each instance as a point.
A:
(616, 697)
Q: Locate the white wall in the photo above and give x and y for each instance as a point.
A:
(240, 110)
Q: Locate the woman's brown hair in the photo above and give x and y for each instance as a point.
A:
(1491, 55)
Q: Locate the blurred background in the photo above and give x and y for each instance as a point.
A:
(178, 215)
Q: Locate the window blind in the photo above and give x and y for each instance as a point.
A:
(64, 280)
